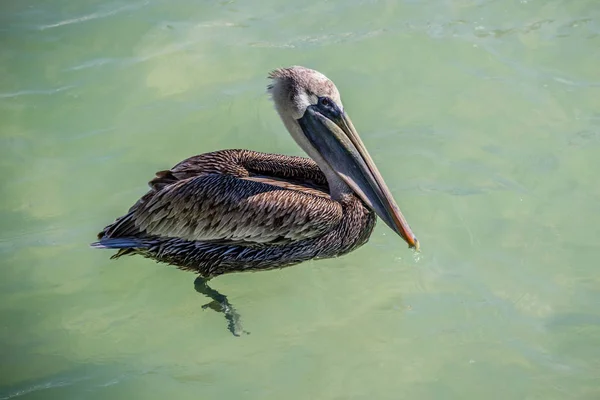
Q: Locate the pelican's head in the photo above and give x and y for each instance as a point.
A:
(310, 106)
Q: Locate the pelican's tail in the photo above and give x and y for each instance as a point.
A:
(125, 245)
(120, 243)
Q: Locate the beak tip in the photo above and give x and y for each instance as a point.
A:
(416, 245)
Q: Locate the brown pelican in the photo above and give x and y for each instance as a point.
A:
(240, 210)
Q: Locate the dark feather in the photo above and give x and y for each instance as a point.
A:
(235, 210)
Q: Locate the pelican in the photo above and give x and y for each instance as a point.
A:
(241, 210)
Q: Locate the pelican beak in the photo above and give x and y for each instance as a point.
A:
(332, 134)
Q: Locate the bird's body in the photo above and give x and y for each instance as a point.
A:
(240, 210)
(254, 211)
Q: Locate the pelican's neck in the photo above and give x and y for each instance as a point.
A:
(337, 187)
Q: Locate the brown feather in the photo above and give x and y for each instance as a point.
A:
(234, 210)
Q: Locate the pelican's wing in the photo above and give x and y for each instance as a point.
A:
(224, 207)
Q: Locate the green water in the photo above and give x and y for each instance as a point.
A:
(483, 117)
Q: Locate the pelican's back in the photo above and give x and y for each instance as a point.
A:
(235, 210)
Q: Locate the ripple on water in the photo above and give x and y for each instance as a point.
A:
(94, 16)
(30, 92)
(96, 62)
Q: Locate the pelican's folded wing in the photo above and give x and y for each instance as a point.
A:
(224, 207)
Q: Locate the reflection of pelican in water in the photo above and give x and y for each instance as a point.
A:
(240, 210)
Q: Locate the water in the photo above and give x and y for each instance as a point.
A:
(483, 116)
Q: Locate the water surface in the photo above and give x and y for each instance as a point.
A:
(483, 116)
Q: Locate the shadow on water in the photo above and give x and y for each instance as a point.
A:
(220, 304)
(67, 382)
